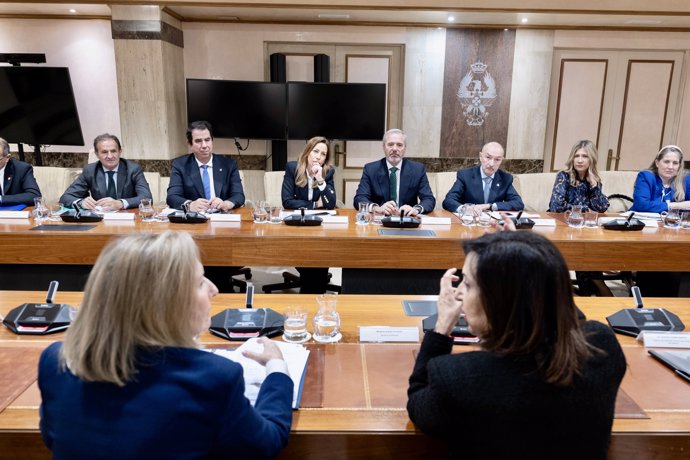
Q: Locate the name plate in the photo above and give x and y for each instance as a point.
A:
(388, 334)
(665, 339)
(427, 220)
(14, 214)
(118, 216)
(334, 219)
(225, 217)
(544, 222)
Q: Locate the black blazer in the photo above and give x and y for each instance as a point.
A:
(131, 184)
(20, 185)
(295, 197)
(185, 181)
(374, 186)
(469, 188)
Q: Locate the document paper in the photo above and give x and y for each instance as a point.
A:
(295, 356)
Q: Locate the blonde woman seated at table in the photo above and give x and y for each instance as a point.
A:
(308, 183)
(130, 380)
(579, 183)
(665, 185)
(543, 382)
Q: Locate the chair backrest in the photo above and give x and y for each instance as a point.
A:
(273, 185)
(154, 178)
(253, 184)
(52, 181)
(535, 189)
(618, 183)
(444, 182)
(163, 183)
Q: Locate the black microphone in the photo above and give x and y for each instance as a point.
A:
(627, 222)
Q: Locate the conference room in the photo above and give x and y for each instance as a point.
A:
(545, 78)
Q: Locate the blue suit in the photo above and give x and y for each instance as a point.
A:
(647, 194)
(469, 188)
(374, 186)
(185, 181)
(184, 404)
(19, 186)
(131, 184)
(295, 197)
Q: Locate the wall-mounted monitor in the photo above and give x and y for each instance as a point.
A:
(345, 111)
(37, 106)
(243, 109)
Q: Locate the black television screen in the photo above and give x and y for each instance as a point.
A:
(244, 109)
(345, 111)
(37, 106)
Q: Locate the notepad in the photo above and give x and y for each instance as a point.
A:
(295, 356)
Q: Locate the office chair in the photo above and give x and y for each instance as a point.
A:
(292, 281)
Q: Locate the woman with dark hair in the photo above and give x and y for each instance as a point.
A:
(579, 183)
(308, 183)
(544, 381)
(665, 185)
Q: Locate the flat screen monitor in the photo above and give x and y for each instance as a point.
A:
(345, 111)
(244, 109)
(37, 106)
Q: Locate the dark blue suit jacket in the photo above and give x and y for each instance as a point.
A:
(185, 404)
(469, 188)
(295, 197)
(185, 181)
(20, 185)
(131, 184)
(374, 186)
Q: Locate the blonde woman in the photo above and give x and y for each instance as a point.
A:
(665, 185)
(579, 182)
(130, 379)
(308, 182)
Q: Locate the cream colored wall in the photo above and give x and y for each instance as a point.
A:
(86, 47)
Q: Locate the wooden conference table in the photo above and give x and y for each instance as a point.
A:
(347, 245)
(353, 404)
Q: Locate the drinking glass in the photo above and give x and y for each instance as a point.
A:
(41, 211)
(363, 214)
(484, 219)
(591, 219)
(685, 220)
(159, 209)
(326, 323)
(467, 214)
(260, 212)
(146, 210)
(274, 213)
(295, 325)
(54, 209)
(377, 216)
(671, 218)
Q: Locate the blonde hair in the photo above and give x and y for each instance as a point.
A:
(301, 175)
(591, 151)
(139, 294)
(679, 180)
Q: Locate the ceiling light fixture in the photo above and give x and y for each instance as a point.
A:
(333, 16)
(524, 20)
(451, 18)
(72, 10)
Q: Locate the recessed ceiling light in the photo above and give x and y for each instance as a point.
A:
(451, 18)
(506, 30)
(72, 10)
(524, 20)
(333, 16)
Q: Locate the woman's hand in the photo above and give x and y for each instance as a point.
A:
(317, 172)
(449, 308)
(271, 351)
(681, 205)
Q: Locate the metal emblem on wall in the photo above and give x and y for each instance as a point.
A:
(477, 91)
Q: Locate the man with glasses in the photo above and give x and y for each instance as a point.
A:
(485, 185)
(17, 182)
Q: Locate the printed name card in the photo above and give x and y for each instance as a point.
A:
(665, 339)
(225, 217)
(388, 334)
(334, 219)
(427, 220)
(118, 216)
(14, 214)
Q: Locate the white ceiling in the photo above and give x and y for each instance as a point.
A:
(429, 17)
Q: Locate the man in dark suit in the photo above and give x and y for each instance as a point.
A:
(17, 182)
(203, 180)
(111, 182)
(485, 186)
(393, 185)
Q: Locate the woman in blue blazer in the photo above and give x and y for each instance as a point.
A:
(308, 183)
(665, 185)
(130, 380)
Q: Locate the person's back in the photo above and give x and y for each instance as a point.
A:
(500, 407)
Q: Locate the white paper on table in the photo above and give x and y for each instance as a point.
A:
(118, 216)
(14, 214)
(428, 220)
(388, 334)
(295, 356)
(334, 219)
(544, 222)
(665, 339)
(217, 217)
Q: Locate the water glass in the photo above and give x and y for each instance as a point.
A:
(41, 211)
(377, 216)
(274, 214)
(467, 214)
(295, 325)
(685, 220)
(146, 210)
(326, 323)
(671, 219)
(363, 214)
(484, 219)
(260, 212)
(159, 210)
(54, 210)
(591, 219)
